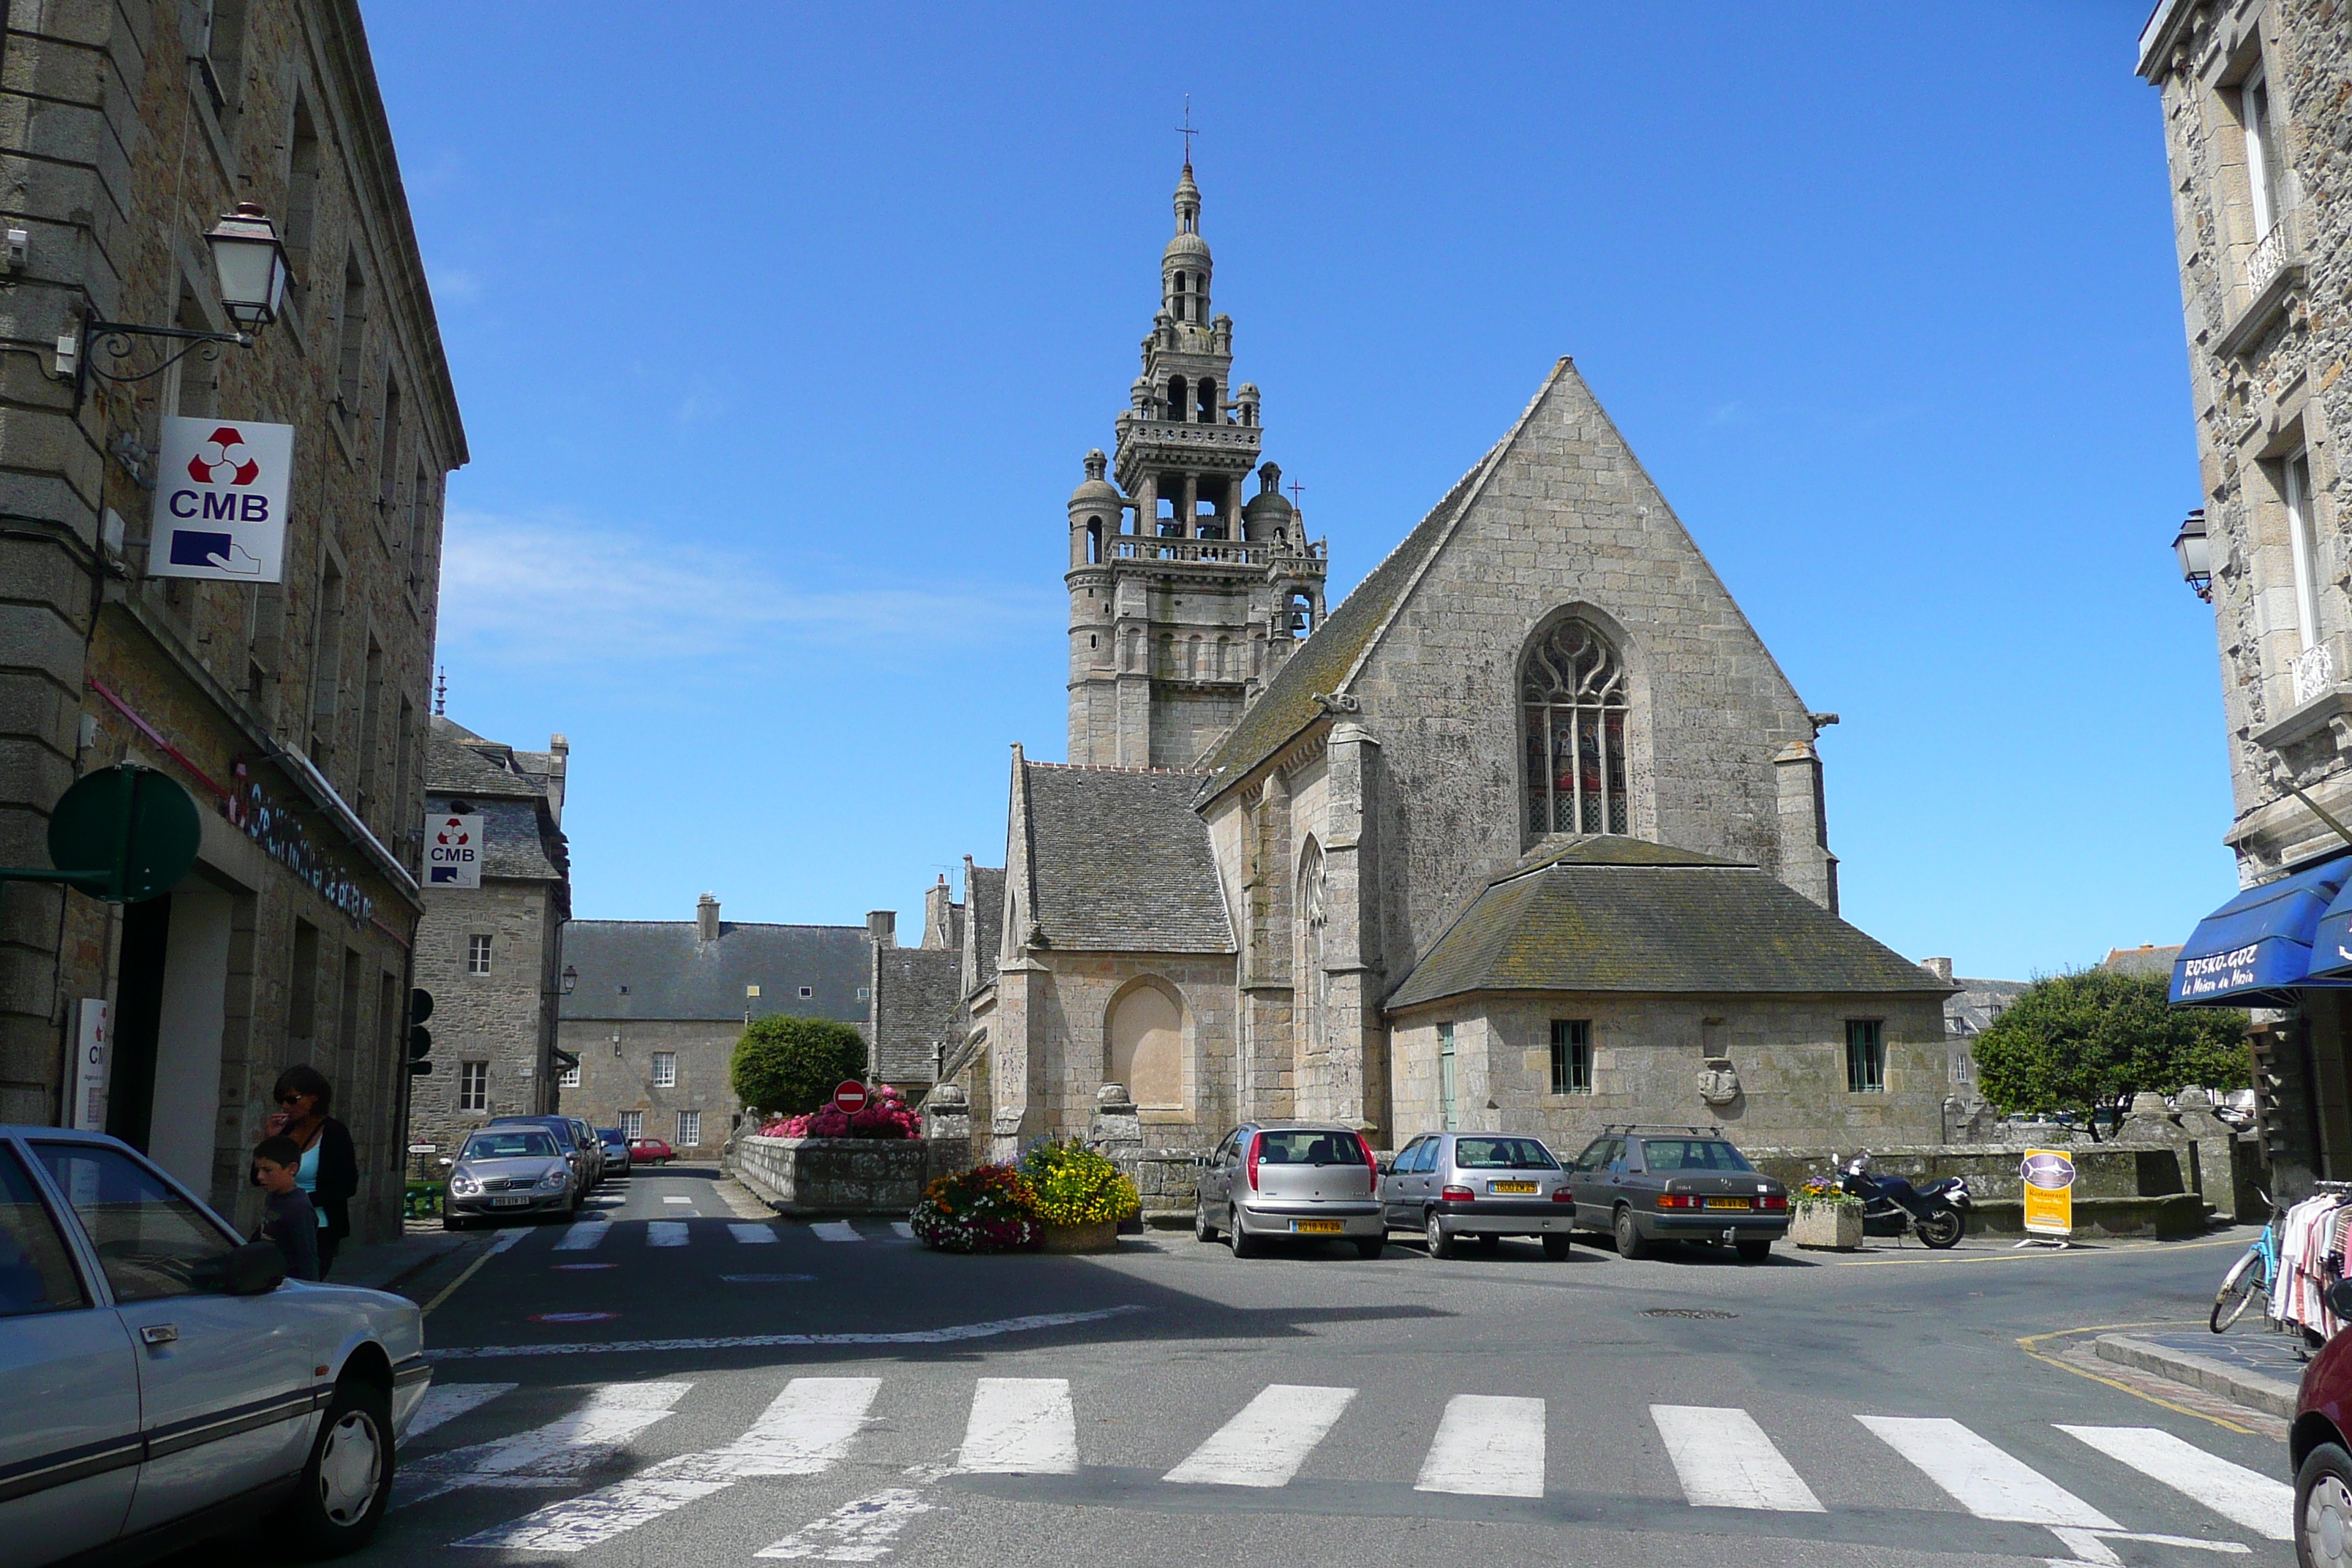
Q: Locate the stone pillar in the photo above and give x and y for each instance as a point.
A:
(1356, 1083)
(1806, 863)
(1147, 507)
(1190, 515)
(1017, 1062)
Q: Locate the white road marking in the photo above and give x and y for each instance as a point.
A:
(770, 1342)
(836, 1230)
(1981, 1478)
(507, 1239)
(445, 1402)
(1021, 1426)
(666, 1233)
(1725, 1460)
(2091, 1545)
(584, 1236)
(1264, 1443)
(858, 1532)
(805, 1431)
(905, 1230)
(751, 1235)
(2260, 1503)
(1487, 1445)
(678, 1200)
(552, 1455)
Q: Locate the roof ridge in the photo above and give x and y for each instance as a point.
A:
(1114, 768)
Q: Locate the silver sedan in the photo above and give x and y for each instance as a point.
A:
(507, 1171)
(1449, 1185)
(1290, 1178)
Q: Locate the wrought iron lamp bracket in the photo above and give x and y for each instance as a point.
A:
(116, 339)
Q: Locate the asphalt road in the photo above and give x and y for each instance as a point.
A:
(683, 1382)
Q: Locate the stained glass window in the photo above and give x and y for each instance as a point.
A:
(1574, 691)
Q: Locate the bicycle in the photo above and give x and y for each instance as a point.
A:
(2254, 1274)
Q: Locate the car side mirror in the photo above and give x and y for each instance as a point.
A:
(256, 1268)
(1386, 1167)
(2339, 1298)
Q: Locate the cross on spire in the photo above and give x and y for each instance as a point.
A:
(1295, 487)
(1186, 131)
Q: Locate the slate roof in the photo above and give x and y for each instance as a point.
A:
(2145, 960)
(1318, 665)
(1603, 915)
(520, 836)
(984, 920)
(668, 975)
(1973, 1007)
(1119, 862)
(920, 990)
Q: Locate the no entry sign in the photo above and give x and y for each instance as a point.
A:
(850, 1097)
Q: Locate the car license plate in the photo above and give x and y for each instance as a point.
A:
(509, 1203)
(1510, 1187)
(1728, 1203)
(1315, 1227)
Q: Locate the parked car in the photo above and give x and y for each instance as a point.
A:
(2318, 1451)
(1647, 1185)
(507, 1173)
(1449, 1185)
(650, 1151)
(162, 1379)
(616, 1151)
(1290, 1178)
(580, 1149)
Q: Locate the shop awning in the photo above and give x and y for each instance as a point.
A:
(2331, 944)
(2254, 948)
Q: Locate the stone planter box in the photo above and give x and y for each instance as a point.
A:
(1836, 1228)
(844, 1176)
(1101, 1237)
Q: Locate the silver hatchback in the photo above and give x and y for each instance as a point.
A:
(1290, 1178)
(1448, 1185)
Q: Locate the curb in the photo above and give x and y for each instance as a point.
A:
(2251, 1389)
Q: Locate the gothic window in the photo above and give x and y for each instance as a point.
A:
(1573, 689)
(1144, 1048)
(1176, 398)
(1208, 401)
(1093, 540)
(1312, 985)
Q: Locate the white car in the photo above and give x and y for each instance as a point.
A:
(162, 1380)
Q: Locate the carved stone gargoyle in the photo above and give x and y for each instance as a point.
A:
(1719, 1081)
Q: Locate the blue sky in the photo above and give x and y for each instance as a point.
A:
(780, 334)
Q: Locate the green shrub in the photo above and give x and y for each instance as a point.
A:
(1074, 1185)
(2091, 1039)
(786, 1065)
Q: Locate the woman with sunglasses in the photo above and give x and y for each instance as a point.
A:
(330, 1171)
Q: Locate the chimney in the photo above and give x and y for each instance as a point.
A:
(938, 916)
(882, 928)
(558, 750)
(706, 917)
(1941, 968)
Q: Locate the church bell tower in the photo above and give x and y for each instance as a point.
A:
(1184, 598)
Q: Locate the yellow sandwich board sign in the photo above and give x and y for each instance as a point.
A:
(2048, 1177)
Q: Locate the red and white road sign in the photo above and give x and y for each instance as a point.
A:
(850, 1097)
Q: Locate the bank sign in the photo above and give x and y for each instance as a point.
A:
(221, 488)
(453, 851)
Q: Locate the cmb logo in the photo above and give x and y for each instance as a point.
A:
(453, 850)
(222, 459)
(221, 512)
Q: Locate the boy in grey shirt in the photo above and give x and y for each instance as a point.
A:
(292, 1223)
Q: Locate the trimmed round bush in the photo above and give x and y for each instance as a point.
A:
(790, 1065)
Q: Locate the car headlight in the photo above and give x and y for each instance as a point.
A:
(464, 1186)
(556, 1176)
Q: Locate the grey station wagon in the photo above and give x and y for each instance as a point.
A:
(1290, 1178)
(1487, 1184)
(1646, 1184)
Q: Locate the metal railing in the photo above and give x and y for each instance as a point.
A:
(2268, 256)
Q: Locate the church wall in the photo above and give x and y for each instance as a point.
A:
(1789, 1051)
(1074, 1004)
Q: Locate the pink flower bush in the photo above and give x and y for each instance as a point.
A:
(886, 1115)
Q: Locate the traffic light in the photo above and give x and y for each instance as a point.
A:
(420, 1038)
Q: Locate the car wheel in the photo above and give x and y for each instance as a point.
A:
(2323, 1509)
(1369, 1247)
(1243, 1244)
(1555, 1246)
(1202, 1229)
(347, 1479)
(1629, 1236)
(1754, 1251)
(1441, 1245)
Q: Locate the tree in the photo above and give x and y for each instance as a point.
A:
(786, 1065)
(2094, 1038)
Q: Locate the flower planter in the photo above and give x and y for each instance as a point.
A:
(1836, 1228)
(1101, 1237)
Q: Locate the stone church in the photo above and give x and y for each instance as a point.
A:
(1528, 834)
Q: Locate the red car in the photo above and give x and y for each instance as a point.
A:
(650, 1151)
(2320, 1446)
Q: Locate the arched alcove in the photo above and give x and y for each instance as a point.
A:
(1144, 1045)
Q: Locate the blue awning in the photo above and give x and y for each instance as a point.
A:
(2255, 948)
(2331, 944)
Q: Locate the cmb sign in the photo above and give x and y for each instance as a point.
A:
(220, 501)
(453, 851)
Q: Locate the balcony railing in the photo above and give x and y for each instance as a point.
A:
(1215, 552)
(1182, 433)
(2264, 265)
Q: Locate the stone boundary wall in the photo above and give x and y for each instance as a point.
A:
(843, 1175)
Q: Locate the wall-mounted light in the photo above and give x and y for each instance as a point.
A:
(248, 260)
(2195, 553)
(570, 979)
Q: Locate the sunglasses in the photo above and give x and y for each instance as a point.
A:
(292, 1098)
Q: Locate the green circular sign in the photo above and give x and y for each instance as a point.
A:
(137, 826)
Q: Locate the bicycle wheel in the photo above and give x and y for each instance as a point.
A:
(2237, 1293)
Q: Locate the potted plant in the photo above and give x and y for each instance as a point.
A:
(989, 1208)
(1081, 1196)
(1822, 1216)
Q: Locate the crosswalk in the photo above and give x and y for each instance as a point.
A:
(1483, 1445)
(589, 1235)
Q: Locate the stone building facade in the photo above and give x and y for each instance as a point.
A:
(293, 711)
(1229, 903)
(656, 1007)
(2256, 123)
(491, 957)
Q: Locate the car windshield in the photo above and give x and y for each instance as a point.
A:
(1502, 1154)
(516, 1145)
(1691, 1154)
(610, 1137)
(1307, 1146)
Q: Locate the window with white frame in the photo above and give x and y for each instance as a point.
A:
(633, 1124)
(568, 1078)
(689, 1129)
(478, 955)
(2294, 481)
(473, 1086)
(665, 1069)
(2263, 185)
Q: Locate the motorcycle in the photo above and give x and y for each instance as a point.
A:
(1891, 1206)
